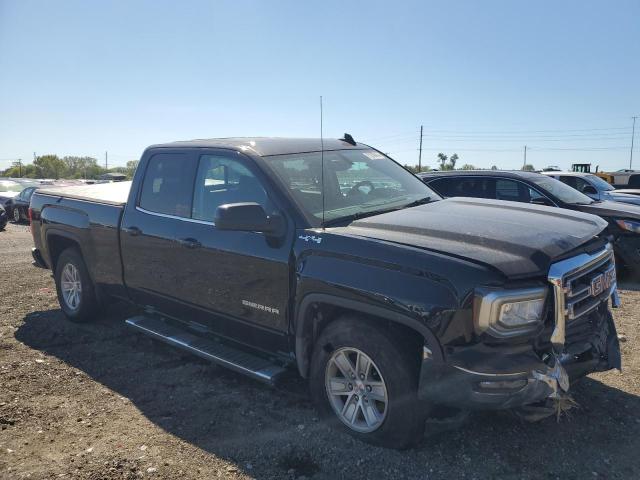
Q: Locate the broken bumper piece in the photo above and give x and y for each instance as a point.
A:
(500, 377)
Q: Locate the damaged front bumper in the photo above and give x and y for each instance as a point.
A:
(484, 377)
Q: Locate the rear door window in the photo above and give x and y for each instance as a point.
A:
(168, 184)
(475, 187)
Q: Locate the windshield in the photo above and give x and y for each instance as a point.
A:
(561, 191)
(599, 183)
(356, 182)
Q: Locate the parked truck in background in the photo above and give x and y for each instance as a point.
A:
(273, 255)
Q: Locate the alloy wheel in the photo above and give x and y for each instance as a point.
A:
(356, 390)
(71, 286)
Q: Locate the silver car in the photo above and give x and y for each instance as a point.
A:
(595, 187)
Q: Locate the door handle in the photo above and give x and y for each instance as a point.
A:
(189, 243)
(134, 231)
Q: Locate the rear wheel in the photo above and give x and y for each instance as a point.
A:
(364, 381)
(16, 215)
(76, 293)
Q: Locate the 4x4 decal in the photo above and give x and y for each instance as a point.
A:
(311, 238)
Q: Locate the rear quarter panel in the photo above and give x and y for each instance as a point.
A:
(92, 226)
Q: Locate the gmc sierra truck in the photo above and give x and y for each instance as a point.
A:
(271, 255)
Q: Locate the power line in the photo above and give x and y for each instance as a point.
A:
(528, 131)
(529, 148)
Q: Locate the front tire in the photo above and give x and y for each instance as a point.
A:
(76, 293)
(364, 381)
(16, 215)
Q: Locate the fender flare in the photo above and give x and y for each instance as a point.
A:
(304, 326)
(56, 232)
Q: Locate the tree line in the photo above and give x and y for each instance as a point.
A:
(446, 162)
(69, 167)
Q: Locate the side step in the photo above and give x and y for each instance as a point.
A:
(224, 355)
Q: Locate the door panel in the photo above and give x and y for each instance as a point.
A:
(239, 281)
(175, 260)
(148, 236)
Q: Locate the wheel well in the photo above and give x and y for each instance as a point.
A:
(58, 244)
(319, 315)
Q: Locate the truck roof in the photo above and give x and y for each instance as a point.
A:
(266, 146)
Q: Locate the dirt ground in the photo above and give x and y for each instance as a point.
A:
(98, 401)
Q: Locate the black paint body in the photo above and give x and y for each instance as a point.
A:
(416, 267)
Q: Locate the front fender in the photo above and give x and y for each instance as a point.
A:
(304, 334)
(426, 291)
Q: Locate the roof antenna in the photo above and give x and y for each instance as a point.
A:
(322, 161)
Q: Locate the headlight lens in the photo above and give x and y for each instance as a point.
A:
(629, 225)
(509, 313)
(516, 314)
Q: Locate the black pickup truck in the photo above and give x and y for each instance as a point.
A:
(272, 255)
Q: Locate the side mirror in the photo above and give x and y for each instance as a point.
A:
(245, 217)
(589, 190)
(542, 201)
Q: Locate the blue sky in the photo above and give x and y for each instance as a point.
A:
(485, 78)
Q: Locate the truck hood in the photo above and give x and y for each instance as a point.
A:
(520, 240)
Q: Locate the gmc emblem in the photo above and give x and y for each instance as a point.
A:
(603, 282)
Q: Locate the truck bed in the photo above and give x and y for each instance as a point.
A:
(87, 217)
(110, 193)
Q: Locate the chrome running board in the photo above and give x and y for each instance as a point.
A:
(222, 354)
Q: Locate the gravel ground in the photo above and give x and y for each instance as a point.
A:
(98, 401)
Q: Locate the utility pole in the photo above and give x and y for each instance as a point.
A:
(106, 161)
(525, 157)
(633, 134)
(18, 164)
(420, 154)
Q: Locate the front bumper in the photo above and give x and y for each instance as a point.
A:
(483, 377)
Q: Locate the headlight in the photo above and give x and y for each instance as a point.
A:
(517, 314)
(629, 225)
(509, 313)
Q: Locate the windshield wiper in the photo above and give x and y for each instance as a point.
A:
(420, 201)
(352, 217)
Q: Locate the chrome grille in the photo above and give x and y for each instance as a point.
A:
(580, 285)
